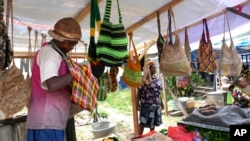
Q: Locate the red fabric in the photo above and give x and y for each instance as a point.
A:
(179, 133)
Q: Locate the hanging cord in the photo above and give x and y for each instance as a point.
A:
(43, 38)
(29, 51)
(12, 27)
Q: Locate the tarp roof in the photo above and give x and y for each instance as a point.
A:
(138, 16)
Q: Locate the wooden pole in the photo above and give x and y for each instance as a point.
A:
(135, 110)
(165, 101)
(26, 54)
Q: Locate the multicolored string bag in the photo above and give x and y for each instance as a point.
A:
(84, 84)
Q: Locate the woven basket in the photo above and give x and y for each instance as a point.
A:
(15, 91)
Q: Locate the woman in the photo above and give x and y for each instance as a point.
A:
(149, 100)
(241, 97)
(49, 106)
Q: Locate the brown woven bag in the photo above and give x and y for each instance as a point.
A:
(15, 91)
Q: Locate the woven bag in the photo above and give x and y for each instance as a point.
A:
(96, 67)
(187, 46)
(207, 59)
(84, 84)
(104, 87)
(6, 51)
(173, 59)
(112, 42)
(14, 91)
(230, 63)
(132, 74)
(113, 78)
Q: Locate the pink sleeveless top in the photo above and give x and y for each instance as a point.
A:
(48, 110)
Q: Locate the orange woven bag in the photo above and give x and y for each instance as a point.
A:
(132, 74)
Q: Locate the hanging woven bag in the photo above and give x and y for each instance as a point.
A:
(112, 41)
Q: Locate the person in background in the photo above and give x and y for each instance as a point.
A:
(230, 98)
(149, 100)
(49, 107)
(241, 97)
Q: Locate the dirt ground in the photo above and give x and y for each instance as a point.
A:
(124, 125)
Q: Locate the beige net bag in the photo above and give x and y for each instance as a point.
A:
(230, 63)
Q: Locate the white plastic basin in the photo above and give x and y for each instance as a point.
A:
(102, 128)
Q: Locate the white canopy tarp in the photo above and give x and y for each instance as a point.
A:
(41, 15)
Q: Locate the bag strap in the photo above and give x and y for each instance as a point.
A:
(158, 23)
(133, 44)
(186, 36)
(170, 28)
(187, 45)
(53, 44)
(205, 33)
(226, 22)
(170, 16)
(108, 10)
(95, 18)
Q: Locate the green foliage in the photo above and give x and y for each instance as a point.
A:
(212, 135)
(119, 100)
(196, 80)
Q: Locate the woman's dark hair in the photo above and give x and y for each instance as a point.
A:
(231, 87)
(236, 80)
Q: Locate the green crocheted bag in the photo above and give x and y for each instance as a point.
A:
(112, 42)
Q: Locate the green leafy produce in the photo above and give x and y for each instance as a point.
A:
(212, 135)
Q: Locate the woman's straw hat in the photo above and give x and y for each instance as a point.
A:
(66, 29)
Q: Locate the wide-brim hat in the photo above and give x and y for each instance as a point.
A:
(66, 29)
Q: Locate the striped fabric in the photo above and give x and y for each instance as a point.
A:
(96, 67)
(104, 87)
(112, 42)
(94, 19)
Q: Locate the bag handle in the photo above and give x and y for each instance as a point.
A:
(158, 23)
(108, 10)
(205, 33)
(187, 45)
(170, 29)
(226, 22)
(133, 44)
(170, 16)
(186, 36)
(95, 18)
(58, 50)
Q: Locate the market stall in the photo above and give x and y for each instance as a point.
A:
(30, 28)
